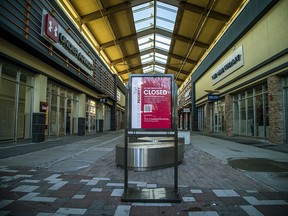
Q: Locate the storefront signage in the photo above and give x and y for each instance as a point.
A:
(213, 97)
(187, 95)
(65, 43)
(103, 100)
(151, 102)
(186, 110)
(228, 66)
(43, 106)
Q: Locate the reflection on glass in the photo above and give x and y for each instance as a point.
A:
(253, 109)
(7, 108)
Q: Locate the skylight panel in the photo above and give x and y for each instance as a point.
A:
(148, 69)
(146, 42)
(162, 42)
(159, 69)
(160, 58)
(166, 15)
(145, 18)
(147, 58)
(146, 24)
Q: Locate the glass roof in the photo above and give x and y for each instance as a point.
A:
(145, 17)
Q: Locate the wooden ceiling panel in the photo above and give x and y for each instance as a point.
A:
(111, 23)
(197, 53)
(85, 7)
(100, 30)
(227, 7)
(188, 24)
(210, 31)
(113, 53)
(122, 23)
(131, 47)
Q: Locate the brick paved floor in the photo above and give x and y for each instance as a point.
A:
(206, 187)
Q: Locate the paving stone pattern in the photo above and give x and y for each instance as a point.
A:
(206, 187)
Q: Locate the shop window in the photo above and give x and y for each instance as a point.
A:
(219, 116)
(250, 112)
(91, 118)
(16, 104)
(62, 113)
(201, 117)
(285, 105)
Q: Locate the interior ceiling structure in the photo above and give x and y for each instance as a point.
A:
(144, 36)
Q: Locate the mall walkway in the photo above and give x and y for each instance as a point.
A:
(78, 176)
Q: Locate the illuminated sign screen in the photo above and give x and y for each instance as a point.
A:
(151, 102)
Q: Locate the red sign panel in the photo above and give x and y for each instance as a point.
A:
(151, 102)
(51, 27)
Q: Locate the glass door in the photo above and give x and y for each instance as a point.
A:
(8, 103)
(285, 108)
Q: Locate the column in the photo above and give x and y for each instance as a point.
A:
(275, 110)
(38, 119)
(81, 114)
(229, 115)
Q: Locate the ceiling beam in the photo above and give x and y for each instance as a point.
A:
(127, 5)
(201, 10)
(150, 31)
(135, 55)
(177, 69)
(105, 12)
(177, 80)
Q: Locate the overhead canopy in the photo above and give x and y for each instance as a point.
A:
(144, 36)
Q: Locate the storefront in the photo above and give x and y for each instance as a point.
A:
(248, 79)
(250, 112)
(16, 93)
(51, 79)
(285, 103)
(184, 106)
(62, 111)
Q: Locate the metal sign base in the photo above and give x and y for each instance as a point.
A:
(153, 129)
(152, 195)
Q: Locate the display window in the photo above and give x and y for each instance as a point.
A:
(285, 100)
(250, 112)
(62, 112)
(16, 90)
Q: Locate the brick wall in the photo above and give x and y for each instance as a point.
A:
(275, 101)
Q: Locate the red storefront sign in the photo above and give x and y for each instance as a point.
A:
(151, 102)
(51, 28)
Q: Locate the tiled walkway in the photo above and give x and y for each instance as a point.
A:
(34, 192)
(207, 187)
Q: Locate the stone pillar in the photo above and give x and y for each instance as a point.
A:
(82, 114)
(100, 121)
(229, 115)
(275, 110)
(38, 127)
(114, 117)
(81, 126)
(208, 117)
(38, 118)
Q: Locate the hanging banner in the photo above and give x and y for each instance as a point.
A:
(151, 102)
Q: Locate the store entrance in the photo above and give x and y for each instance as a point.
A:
(61, 116)
(16, 92)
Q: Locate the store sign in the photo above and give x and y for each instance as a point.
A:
(102, 100)
(151, 102)
(51, 28)
(187, 95)
(186, 110)
(213, 97)
(228, 66)
(43, 106)
(65, 43)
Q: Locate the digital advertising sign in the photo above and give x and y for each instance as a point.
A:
(151, 102)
